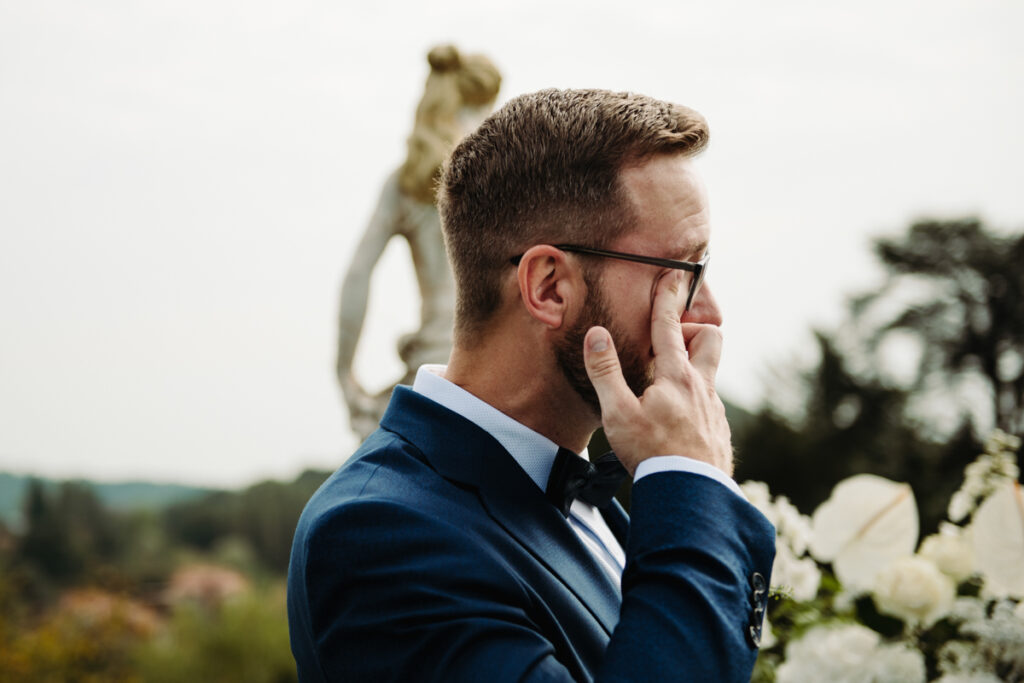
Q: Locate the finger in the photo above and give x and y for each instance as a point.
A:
(666, 337)
(605, 372)
(704, 343)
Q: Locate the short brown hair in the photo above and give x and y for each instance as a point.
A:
(545, 169)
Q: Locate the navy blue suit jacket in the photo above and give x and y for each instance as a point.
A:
(432, 556)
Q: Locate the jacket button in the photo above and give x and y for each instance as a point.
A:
(758, 583)
(754, 635)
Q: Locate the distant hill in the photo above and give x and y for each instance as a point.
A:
(129, 495)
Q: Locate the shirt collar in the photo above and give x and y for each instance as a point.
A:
(534, 452)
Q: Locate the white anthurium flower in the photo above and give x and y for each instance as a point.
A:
(867, 523)
(913, 589)
(998, 535)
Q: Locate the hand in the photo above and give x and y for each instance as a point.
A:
(364, 410)
(680, 413)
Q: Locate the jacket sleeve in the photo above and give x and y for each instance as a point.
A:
(458, 613)
(698, 565)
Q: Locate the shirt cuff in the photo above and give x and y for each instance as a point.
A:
(678, 463)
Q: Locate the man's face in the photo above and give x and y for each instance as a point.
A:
(672, 221)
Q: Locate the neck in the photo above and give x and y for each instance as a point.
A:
(518, 375)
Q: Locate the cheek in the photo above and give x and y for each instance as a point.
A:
(634, 323)
(630, 299)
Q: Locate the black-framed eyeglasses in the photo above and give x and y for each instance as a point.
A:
(699, 269)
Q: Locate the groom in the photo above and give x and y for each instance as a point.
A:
(466, 540)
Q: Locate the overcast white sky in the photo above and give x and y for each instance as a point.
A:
(182, 183)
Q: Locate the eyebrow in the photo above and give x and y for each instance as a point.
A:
(692, 254)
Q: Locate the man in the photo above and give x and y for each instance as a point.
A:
(447, 548)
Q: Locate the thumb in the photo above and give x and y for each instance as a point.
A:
(605, 372)
(704, 344)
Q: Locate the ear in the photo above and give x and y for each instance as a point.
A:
(549, 287)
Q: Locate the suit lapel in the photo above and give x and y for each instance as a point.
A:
(617, 520)
(461, 451)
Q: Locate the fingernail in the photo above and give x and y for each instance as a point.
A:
(598, 343)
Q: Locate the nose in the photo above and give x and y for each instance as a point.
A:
(704, 308)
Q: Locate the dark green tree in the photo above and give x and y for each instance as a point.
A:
(68, 532)
(954, 290)
(263, 515)
(969, 320)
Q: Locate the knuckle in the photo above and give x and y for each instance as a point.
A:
(603, 367)
(668, 317)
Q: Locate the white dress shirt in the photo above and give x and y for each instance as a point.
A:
(535, 453)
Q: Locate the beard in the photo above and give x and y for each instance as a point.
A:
(638, 372)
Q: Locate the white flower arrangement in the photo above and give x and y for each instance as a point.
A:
(849, 653)
(857, 599)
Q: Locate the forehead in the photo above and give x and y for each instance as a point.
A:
(670, 208)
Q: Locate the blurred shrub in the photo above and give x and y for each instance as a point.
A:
(245, 639)
(89, 638)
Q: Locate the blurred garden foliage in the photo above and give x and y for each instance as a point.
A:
(910, 382)
(193, 592)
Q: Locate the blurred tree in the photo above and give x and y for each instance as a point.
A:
(953, 297)
(201, 522)
(970, 319)
(68, 532)
(850, 423)
(42, 542)
(263, 515)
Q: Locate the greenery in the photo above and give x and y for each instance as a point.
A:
(246, 641)
(950, 608)
(194, 591)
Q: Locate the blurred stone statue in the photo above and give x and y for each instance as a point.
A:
(459, 93)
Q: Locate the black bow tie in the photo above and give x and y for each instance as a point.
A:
(575, 477)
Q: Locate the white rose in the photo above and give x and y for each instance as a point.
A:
(968, 609)
(759, 496)
(898, 664)
(834, 653)
(799, 576)
(969, 678)
(952, 554)
(913, 589)
(793, 527)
